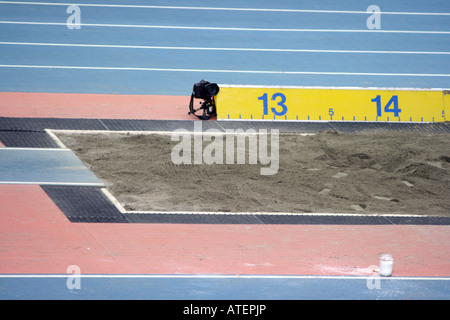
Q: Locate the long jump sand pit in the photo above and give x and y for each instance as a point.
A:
(328, 172)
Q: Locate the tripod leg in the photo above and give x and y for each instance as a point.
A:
(208, 106)
(191, 105)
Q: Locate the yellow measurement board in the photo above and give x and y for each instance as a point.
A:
(331, 104)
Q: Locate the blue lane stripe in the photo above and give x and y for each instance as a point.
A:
(180, 83)
(243, 19)
(224, 60)
(348, 5)
(224, 288)
(205, 38)
(132, 82)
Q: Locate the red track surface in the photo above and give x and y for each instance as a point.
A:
(93, 106)
(37, 238)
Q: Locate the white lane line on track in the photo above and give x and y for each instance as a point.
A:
(222, 8)
(194, 276)
(226, 28)
(218, 49)
(230, 71)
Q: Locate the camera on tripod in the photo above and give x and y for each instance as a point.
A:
(206, 91)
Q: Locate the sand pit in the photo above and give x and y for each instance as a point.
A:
(329, 172)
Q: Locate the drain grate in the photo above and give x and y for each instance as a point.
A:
(90, 205)
(24, 139)
(84, 204)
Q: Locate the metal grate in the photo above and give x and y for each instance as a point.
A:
(84, 204)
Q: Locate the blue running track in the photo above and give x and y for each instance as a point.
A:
(218, 287)
(162, 47)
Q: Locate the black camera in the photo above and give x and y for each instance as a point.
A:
(206, 91)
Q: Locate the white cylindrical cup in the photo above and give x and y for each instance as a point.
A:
(386, 263)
